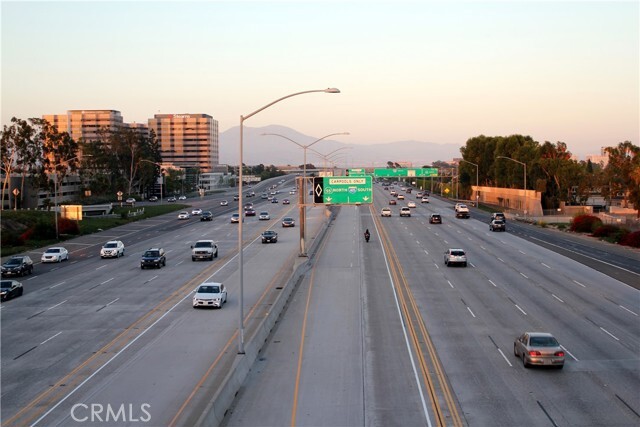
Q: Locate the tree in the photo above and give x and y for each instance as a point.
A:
(8, 156)
(623, 172)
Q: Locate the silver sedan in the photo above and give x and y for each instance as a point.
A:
(539, 348)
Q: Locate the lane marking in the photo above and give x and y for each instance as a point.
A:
(505, 358)
(523, 275)
(625, 308)
(55, 286)
(102, 266)
(545, 265)
(50, 338)
(523, 312)
(107, 281)
(556, 298)
(575, 281)
(610, 334)
(500, 259)
(471, 311)
(490, 281)
(450, 284)
(60, 303)
(569, 353)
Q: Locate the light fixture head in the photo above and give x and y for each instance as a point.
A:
(332, 90)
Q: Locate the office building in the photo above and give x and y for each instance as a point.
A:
(85, 124)
(187, 140)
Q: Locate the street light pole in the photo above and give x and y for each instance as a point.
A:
(477, 183)
(240, 255)
(524, 211)
(303, 205)
(161, 175)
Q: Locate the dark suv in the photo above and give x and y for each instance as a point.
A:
(17, 266)
(153, 257)
(206, 216)
(435, 219)
(499, 216)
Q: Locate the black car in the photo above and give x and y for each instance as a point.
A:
(206, 216)
(269, 236)
(435, 219)
(17, 266)
(10, 289)
(153, 257)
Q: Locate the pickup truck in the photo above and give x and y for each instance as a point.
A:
(204, 249)
(462, 211)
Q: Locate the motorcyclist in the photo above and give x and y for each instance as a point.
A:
(367, 235)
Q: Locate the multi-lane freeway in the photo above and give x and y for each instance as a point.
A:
(379, 333)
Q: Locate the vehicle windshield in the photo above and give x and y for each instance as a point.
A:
(543, 342)
(209, 289)
(52, 251)
(152, 254)
(203, 245)
(111, 245)
(14, 261)
(288, 219)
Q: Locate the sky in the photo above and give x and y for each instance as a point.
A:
(430, 71)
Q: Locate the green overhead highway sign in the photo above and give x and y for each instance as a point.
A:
(405, 172)
(356, 172)
(343, 190)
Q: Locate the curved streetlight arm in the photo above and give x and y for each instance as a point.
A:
(328, 90)
(308, 145)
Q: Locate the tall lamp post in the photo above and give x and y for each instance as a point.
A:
(477, 183)
(330, 157)
(240, 256)
(525, 181)
(161, 175)
(303, 205)
(55, 189)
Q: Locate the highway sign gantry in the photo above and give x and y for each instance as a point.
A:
(344, 190)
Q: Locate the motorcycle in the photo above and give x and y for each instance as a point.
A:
(367, 236)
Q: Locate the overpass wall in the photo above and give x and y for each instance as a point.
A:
(510, 199)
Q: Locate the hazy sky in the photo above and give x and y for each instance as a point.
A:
(429, 71)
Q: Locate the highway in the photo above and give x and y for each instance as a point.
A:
(379, 333)
(350, 351)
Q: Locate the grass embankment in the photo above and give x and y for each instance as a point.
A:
(27, 230)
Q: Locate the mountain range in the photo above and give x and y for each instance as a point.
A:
(275, 150)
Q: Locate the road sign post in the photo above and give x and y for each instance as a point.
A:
(343, 190)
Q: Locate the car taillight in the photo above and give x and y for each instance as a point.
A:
(559, 353)
(534, 353)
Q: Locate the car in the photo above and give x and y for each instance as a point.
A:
(462, 211)
(385, 212)
(264, 216)
(153, 199)
(131, 200)
(411, 204)
(184, 215)
(171, 199)
(288, 222)
(286, 202)
(206, 216)
(235, 218)
(274, 200)
(455, 256)
(224, 203)
(248, 205)
(196, 211)
(424, 199)
(269, 236)
(153, 257)
(400, 196)
(236, 197)
(55, 254)
(435, 219)
(394, 193)
(250, 212)
(497, 225)
(539, 348)
(419, 195)
(204, 249)
(498, 215)
(10, 289)
(264, 196)
(272, 193)
(405, 211)
(409, 189)
(17, 266)
(182, 198)
(210, 294)
(112, 249)
(292, 192)
(393, 202)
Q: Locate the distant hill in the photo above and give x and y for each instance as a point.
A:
(274, 150)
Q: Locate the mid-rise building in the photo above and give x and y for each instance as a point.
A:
(187, 140)
(602, 159)
(86, 124)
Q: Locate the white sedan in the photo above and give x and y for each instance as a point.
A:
(55, 254)
(196, 211)
(411, 204)
(224, 203)
(184, 215)
(210, 294)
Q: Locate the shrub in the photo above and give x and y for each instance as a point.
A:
(45, 229)
(68, 226)
(11, 238)
(585, 223)
(631, 239)
(606, 230)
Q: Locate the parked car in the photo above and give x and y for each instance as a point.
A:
(153, 257)
(435, 219)
(539, 348)
(112, 249)
(184, 215)
(288, 222)
(171, 199)
(385, 212)
(55, 254)
(498, 225)
(206, 216)
(264, 216)
(10, 289)
(196, 211)
(455, 256)
(269, 236)
(210, 294)
(17, 266)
